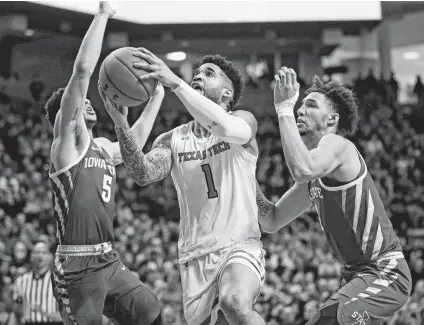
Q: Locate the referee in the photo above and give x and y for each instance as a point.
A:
(32, 292)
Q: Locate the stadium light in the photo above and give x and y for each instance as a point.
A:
(29, 32)
(176, 56)
(411, 55)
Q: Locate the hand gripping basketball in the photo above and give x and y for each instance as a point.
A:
(117, 113)
(158, 69)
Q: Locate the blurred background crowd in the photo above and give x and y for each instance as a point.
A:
(301, 271)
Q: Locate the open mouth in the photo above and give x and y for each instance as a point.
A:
(197, 87)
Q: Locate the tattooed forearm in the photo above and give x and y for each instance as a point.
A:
(266, 209)
(144, 169)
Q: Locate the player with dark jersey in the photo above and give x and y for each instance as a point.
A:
(89, 279)
(331, 174)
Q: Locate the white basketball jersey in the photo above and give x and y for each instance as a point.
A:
(216, 188)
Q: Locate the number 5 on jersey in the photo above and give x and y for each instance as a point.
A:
(212, 192)
(107, 190)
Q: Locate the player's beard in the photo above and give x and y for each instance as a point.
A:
(214, 94)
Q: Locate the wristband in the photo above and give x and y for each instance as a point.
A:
(286, 107)
(178, 87)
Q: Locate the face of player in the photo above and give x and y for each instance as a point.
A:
(211, 82)
(90, 116)
(314, 115)
(40, 256)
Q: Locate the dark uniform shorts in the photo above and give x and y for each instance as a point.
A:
(369, 297)
(88, 285)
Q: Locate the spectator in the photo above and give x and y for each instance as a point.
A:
(394, 87)
(419, 89)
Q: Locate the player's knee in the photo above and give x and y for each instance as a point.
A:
(150, 312)
(233, 303)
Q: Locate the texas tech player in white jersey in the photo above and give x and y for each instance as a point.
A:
(216, 188)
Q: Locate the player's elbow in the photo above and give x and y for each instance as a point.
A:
(140, 181)
(82, 69)
(267, 219)
(303, 174)
(269, 227)
(237, 134)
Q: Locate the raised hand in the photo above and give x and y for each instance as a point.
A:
(158, 69)
(117, 113)
(105, 8)
(286, 86)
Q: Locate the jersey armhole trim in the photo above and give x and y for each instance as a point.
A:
(250, 154)
(350, 184)
(100, 145)
(64, 169)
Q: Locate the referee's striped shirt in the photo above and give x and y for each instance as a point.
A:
(31, 289)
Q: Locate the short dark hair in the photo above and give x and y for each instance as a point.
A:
(52, 105)
(343, 101)
(231, 72)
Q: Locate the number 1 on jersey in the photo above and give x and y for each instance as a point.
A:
(212, 192)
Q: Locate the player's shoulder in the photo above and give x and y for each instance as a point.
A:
(245, 115)
(18, 281)
(335, 143)
(103, 142)
(163, 140)
(249, 118)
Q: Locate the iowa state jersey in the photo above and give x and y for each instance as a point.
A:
(216, 189)
(84, 198)
(354, 220)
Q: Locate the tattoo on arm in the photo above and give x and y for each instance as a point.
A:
(145, 169)
(210, 126)
(265, 207)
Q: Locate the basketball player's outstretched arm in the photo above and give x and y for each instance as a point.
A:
(274, 216)
(149, 168)
(70, 117)
(237, 128)
(141, 128)
(304, 165)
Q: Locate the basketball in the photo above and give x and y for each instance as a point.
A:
(119, 79)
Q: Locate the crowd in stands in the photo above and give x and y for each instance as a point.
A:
(301, 271)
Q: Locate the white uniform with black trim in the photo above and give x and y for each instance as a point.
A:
(216, 188)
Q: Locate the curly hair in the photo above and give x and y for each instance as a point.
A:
(343, 101)
(231, 71)
(52, 105)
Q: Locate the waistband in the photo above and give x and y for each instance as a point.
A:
(84, 250)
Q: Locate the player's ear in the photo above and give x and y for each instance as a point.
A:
(227, 93)
(333, 119)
